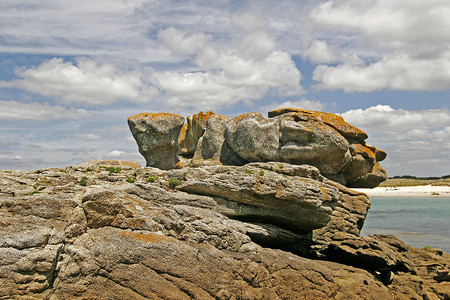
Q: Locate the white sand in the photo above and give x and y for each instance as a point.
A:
(408, 191)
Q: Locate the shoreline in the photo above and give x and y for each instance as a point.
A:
(407, 191)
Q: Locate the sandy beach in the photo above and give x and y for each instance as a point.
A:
(408, 191)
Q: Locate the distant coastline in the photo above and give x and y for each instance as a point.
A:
(408, 191)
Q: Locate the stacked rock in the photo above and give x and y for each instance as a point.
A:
(291, 135)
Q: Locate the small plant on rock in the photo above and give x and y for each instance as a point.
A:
(249, 171)
(151, 178)
(112, 170)
(131, 179)
(83, 181)
(261, 173)
(173, 182)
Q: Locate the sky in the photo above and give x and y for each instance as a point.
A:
(72, 72)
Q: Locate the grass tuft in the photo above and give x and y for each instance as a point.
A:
(173, 182)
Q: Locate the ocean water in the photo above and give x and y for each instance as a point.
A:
(418, 221)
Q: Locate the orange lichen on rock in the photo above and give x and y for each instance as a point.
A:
(148, 237)
(241, 117)
(202, 117)
(192, 130)
(335, 121)
(326, 196)
(365, 151)
(154, 116)
(183, 132)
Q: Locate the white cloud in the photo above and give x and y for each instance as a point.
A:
(181, 42)
(83, 83)
(403, 43)
(84, 27)
(417, 141)
(87, 136)
(320, 52)
(13, 110)
(231, 76)
(399, 72)
(397, 123)
(302, 103)
(115, 153)
(250, 20)
(400, 24)
(122, 155)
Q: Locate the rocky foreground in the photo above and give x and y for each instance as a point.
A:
(263, 230)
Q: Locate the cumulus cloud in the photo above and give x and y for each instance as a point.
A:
(397, 124)
(400, 72)
(320, 52)
(404, 45)
(85, 82)
(14, 110)
(229, 76)
(417, 142)
(400, 24)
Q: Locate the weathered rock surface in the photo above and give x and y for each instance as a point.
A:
(96, 232)
(157, 137)
(290, 135)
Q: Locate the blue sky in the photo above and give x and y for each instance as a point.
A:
(72, 72)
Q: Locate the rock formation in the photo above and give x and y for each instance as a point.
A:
(263, 230)
(290, 135)
(157, 136)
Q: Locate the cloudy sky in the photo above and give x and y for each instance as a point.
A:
(72, 72)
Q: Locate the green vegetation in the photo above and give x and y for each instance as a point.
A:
(112, 170)
(281, 166)
(427, 248)
(151, 178)
(249, 171)
(89, 169)
(62, 171)
(83, 181)
(173, 182)
(131, 179)
(34, 192)
(261, 173)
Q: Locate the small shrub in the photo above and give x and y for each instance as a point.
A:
(173, 182)
(89, 169)
(151, 179)
(131, 179)
(427, 248)
(34, 192)
(261, 173)
(249, 171)
(83, 181)
(281, 166)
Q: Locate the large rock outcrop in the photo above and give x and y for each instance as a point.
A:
(290, 135)
(157, 137)
(113, 230)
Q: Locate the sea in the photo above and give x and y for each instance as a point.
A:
(418, 221)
